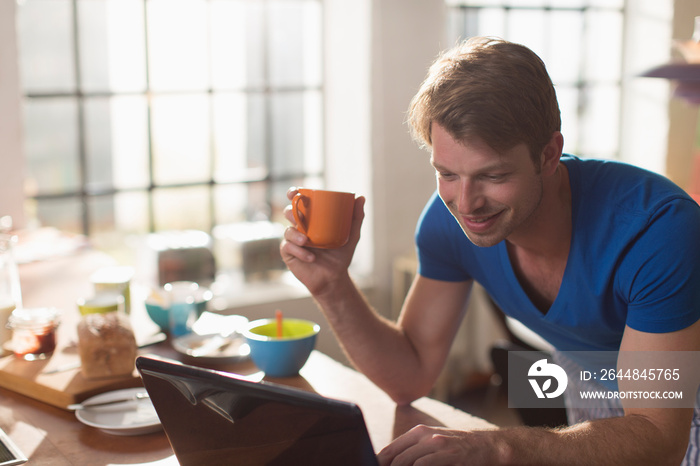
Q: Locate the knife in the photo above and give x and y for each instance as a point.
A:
(135, 397)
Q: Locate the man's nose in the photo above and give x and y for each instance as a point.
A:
(471, 197)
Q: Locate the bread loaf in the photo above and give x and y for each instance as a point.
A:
(107, 345)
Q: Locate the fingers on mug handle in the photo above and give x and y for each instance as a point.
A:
(298, 216)
(291, 192)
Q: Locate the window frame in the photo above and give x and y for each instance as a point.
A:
(268, 177)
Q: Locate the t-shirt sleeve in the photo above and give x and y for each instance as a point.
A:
(436, 245)
(660, 274)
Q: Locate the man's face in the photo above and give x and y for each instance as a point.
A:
(492, 195)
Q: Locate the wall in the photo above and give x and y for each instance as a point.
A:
(11, 161)
(407, 35)
(683, 116)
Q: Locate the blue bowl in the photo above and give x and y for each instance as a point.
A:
(281, 357)
(161, 314)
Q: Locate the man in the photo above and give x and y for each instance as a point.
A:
(590, 255)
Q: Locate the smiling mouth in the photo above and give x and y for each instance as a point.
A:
(480, 219)
(481, 223)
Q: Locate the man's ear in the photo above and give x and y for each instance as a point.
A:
(549, 158)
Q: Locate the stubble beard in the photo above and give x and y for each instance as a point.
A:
(508, 222)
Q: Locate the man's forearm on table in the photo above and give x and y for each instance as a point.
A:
(614, 441)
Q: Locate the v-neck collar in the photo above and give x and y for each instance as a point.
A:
(557, 306)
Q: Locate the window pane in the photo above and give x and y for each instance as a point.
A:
(230, 203)
(45, 36)
(131, 213)
(112, 45)
(124, 213)
(258, 130)
(603, 56)
(237, 42)
(491, 22)
(233, 130)
(568, 97)
(240, 203)
(295, 41)
(98, 144)
(182, 208)
(564, 61)
(116, 142)
(475, 2)
(526, 3)
(177, 41)
(129, 141)
(181, 139)
(607, 3)
(572, 3)
(128, 215)
(525, 27)
(292, 150)
(51, 145)
(62, 213)
(469, 22)
(101, 209)
(313, 132)
(600, 123)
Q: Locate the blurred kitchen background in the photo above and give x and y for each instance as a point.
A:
(166, 132)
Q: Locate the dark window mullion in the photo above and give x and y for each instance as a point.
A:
(267, 107)
(82, 156)
(149, 123)
(212, 141)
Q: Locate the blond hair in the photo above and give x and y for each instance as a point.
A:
(491, 89)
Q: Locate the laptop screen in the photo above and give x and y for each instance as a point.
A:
(215, 418)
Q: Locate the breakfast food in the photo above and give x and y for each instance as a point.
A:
(33, 332)
(107, 345)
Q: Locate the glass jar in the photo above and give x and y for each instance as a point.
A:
(34, 332)
(10, 294)
(114, 280)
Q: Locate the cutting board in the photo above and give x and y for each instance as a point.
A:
(59, 282)
(61, 388)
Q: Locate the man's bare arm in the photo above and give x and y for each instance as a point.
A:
(653, 436)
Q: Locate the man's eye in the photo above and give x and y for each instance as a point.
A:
(446, 175)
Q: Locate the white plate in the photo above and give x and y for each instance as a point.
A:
(129, 418)
(212, 348)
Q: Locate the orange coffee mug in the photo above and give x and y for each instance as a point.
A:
(325, 217)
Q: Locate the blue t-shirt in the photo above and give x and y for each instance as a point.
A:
(634, 259)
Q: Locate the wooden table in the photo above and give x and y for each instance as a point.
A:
(49, 435)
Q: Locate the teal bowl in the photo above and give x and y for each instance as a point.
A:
(161, 315)
(159, 310)
(281, 357)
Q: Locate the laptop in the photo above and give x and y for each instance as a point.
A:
(213, 418)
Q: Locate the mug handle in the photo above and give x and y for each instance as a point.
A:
(298, 215)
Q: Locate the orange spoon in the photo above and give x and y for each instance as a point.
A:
(278, 317)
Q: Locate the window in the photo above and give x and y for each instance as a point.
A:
(152, 115)
(582, 42)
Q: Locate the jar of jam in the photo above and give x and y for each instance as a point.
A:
(34, 332)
